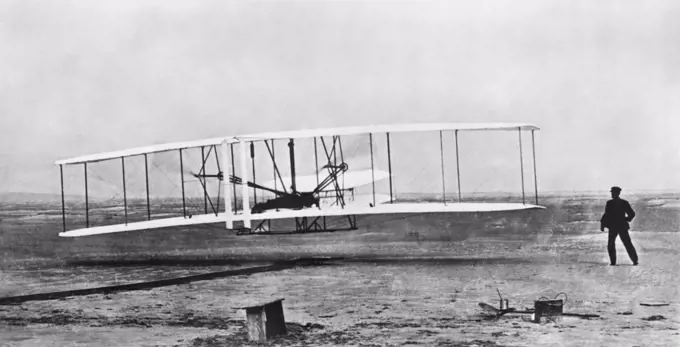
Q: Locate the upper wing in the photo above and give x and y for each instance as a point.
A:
(391, 128)
(387, 128)
(91, 158)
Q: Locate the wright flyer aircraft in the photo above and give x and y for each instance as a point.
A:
(304, 176)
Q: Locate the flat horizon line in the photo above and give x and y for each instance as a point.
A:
(428, 194)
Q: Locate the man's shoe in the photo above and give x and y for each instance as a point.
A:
(635, 263)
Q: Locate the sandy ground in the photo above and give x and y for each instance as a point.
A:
(429, 299)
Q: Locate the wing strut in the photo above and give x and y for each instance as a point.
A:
(87, 209)
(146, 173)
(291, 150)
(205, 192)
(370, 144)
(441, 151)
(244, 174)
(229, 221)
(316, 162)
(233, 173)
(533, 148)
(272, 154)
(63, 203)
(457, 165)
(252, 161)
(521, 161)
(219, 186)
(342, 160)
(122, 163)
(389, 165)
(340, 194)
(181, 170)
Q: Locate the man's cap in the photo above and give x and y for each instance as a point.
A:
(616, 189)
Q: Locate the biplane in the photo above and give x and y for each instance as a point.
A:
(246, 204)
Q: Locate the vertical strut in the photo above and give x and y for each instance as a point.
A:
(389, 164)
(291, 149)
(457, 165)
(252, 161)
(338, 195)
(181, 171)
(205, 193)
(87, 212)
(225, 183)
(342, 160)
(122, 163)
(441, 151)
(521, 161)
(533, 148)
(63, 202)
(216, 209)
(370, 143)
(146, 172)
(316, 162)
(244, 176)
(233, 173)
(274, 164)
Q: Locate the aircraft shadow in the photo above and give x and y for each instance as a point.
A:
(449, 261)
(146, 285)
(171, 262)
(197, 262)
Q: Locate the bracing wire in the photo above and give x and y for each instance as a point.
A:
(107, 182)
(166, 175)
(205, 186)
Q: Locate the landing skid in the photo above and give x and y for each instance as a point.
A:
(303, 225)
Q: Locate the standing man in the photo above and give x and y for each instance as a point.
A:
(616, 218)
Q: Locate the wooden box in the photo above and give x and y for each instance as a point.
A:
(265, 320)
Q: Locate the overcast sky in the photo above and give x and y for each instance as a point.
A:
(601, 78)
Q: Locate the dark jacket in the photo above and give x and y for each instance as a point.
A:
(617, 214)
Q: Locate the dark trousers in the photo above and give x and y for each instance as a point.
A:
(625, 238)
